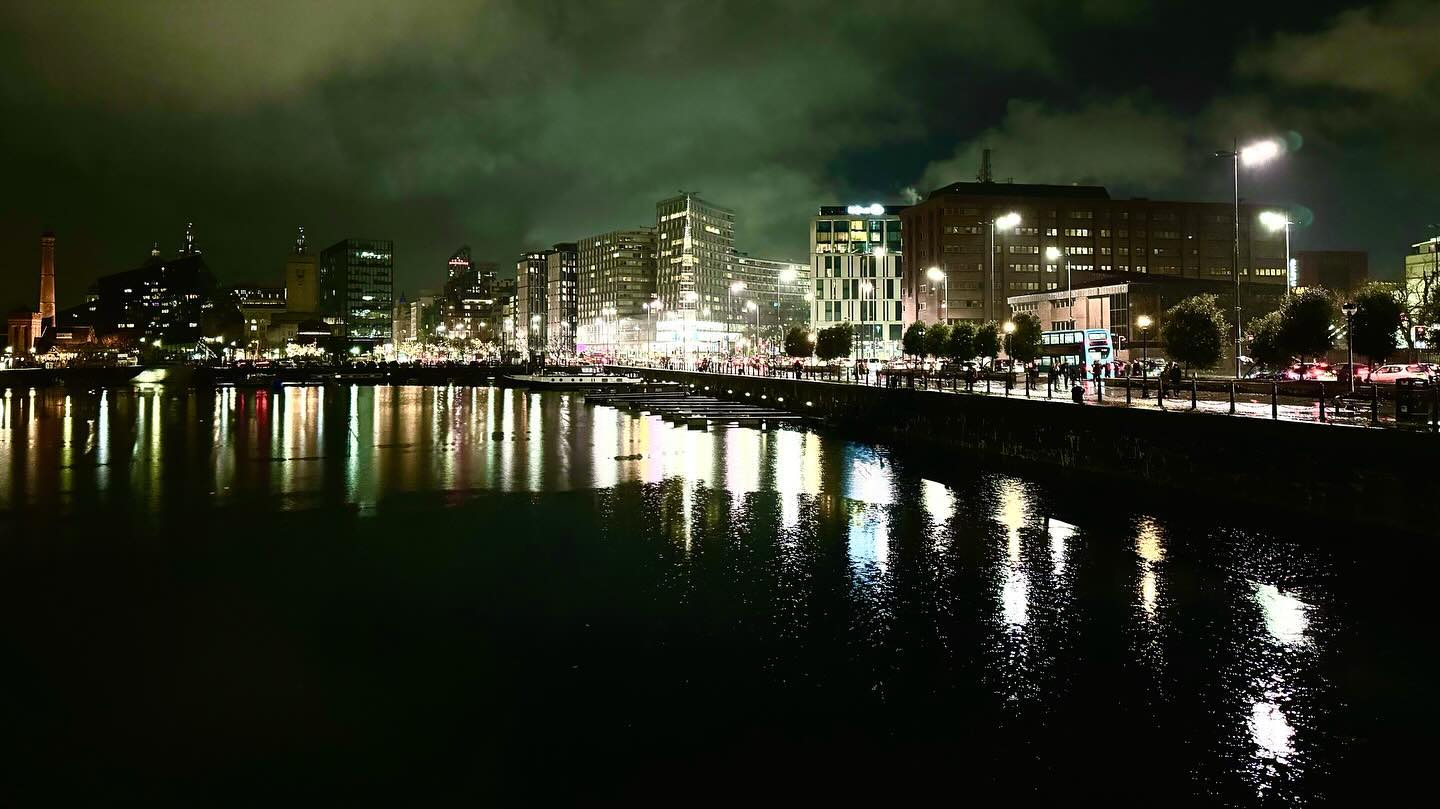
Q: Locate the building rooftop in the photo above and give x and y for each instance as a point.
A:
(972, 189)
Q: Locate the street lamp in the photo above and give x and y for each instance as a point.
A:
(1054, 253)
(1275, 220)
(751, 306)
(1349, 308)
(1009, 328)
(1144, 322)
(1001, 224)
(866, 288)
(1253, 155)
(937, 276)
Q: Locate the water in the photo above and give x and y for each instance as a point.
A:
(435, 595)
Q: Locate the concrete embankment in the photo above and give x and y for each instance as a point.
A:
(1345, 474)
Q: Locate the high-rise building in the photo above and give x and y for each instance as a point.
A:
(779, 289)
(694, 267)
(530, 301)
(617, 285)
(962, 231)
(857, 264)
(1335, 270)
(469, 295)
(357, 290)
(562, 264)
(47, 280)
(302, 288)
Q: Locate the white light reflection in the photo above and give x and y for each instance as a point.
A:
(1060, 532)
(869, 486)
(1286, 621)
(1271, 730)
(789, 474)
(939, 502)
(1285, 617)
(1014, 593)
(1150, 547)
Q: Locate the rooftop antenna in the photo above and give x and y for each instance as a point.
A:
(985, 173)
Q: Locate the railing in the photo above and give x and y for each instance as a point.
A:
(1400, 405)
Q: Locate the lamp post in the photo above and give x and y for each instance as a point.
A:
(866, 288)
(1253, 155)
(1349, 308)
(1009, 328)
(751, 306)
(937, 275)
(1054, 253)
(1275, 220)
(1002, 224)
(736, 287)
(1144, 323)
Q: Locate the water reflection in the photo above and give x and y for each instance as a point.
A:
(790, 574)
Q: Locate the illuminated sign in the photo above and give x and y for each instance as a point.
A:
(874, 209)
(459, 262)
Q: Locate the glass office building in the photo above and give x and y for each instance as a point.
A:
(357, 290)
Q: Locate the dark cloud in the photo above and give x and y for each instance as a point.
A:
(508, 124)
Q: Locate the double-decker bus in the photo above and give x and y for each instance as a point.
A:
(1076, 346)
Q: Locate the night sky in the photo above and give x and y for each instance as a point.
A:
(510, 124)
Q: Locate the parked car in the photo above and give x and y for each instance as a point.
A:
(1316, 371)
(1392, 373)
(1343, 370)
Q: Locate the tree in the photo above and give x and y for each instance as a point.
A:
(798, 343)
(1023, 344)
(1265, 347)
(937, 337)
(987, 340)
(913, 343)
(1375, 326)
(835, 342)
(1308, 323)
(1194, 332)
(961, 345)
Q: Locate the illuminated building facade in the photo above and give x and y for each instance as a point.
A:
(857, 262)
(617, 285)
(302, 281)
(357, 290)
(562, 292)
(694, 267)
(1101, 236)
(469, 296)
(165, 299)
(530, 301)
(780, 291)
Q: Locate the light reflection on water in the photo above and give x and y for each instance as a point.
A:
(979, 573)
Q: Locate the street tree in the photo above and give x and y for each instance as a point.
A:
(835, 342)
(1375, 326)
(798, 343)
(961, 345)
(987, 340)
(1194, 332)
(913, 343)
(1308, 323)
(1265, 347)
(937, 337)
(1024, 342)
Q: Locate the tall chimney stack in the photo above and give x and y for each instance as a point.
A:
(47, 281)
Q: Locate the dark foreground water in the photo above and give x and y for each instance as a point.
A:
(422, 596)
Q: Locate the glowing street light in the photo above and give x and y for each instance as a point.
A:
(788, 275)
(1144, 322)
(1001, 224)
(938, 276)
(1275, 220)
(1262, 152)
(1254, 154)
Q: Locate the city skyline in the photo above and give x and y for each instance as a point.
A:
(254, 144)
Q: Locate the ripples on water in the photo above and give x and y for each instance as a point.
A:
(498, 593)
